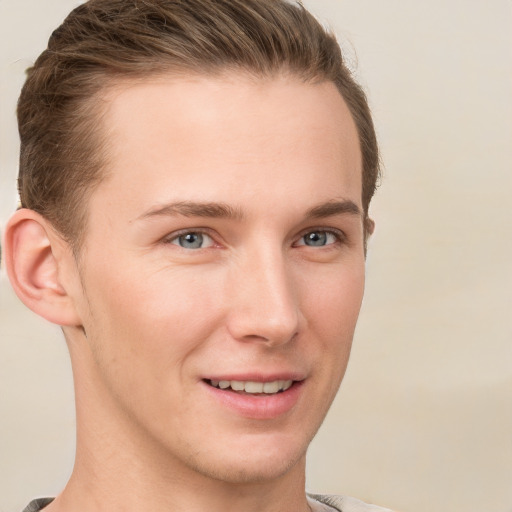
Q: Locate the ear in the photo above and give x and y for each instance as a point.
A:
(369, 226)
(33, 254)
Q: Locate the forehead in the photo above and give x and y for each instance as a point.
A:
(222, 137)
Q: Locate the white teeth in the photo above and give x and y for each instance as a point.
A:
(236, 385)
(271, 387)
(253, 387)
(287, 384)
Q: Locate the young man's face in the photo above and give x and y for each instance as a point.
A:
(222, 271)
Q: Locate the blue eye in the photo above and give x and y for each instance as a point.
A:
(318, 239)
(193, 240)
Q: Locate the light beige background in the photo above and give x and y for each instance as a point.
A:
(424, 419)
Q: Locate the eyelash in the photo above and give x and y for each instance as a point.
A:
(340, 237)
(169, 239)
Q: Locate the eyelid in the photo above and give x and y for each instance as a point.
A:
(171, 237)
(340, 236)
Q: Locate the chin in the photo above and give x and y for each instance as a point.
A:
(249, 471)
(257, 464)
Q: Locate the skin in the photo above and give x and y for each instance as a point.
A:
(148, 320)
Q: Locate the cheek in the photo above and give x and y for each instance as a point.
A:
(332, 310)
(159, 317)
(333, 305)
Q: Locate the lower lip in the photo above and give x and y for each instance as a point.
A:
(259, 407)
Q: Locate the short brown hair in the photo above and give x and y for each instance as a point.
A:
(104, 41)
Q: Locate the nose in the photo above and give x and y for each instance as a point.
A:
(264, 304)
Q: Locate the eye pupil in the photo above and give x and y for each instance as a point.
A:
(316, 238)
(191, 240)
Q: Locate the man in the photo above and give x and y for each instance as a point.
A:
(195, 179)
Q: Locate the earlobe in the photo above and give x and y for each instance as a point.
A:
(33, 267)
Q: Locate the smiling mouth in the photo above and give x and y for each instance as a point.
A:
(252, 387)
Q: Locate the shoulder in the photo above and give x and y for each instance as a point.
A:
(336, 502)
(37, 505)
(346, 503)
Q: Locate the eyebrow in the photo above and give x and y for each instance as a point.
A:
(195, 209)
(226, 211)
(332, 208)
